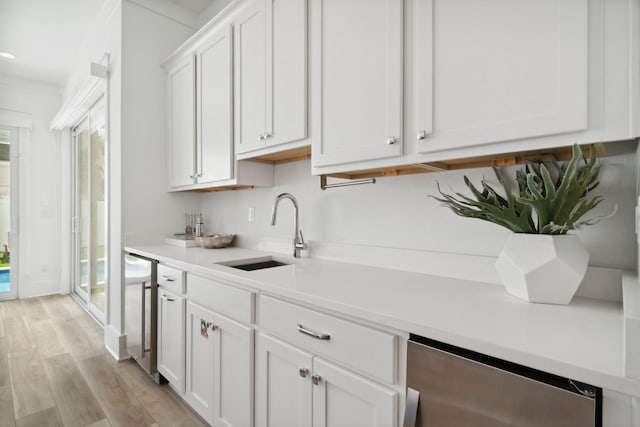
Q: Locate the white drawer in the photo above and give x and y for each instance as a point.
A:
(171, 279)
(366, 349)
(223, 299)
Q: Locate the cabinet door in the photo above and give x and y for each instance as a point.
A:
(356, 78)
(283, 391)
(215, 99)
(500, 70)
(233, 374)
(286, 68)
(341, 398)
(181, 106)
(200, 360)
(250, 80)
(171, 338)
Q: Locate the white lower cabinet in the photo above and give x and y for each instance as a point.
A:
(296, 388)
(219, 368)
(171, 337)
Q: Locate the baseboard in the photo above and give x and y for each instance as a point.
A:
(115, 343)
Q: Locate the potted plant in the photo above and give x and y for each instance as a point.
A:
(540, 262)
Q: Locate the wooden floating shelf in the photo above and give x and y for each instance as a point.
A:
(518, 158)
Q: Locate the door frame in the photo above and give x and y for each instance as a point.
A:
(17, 134)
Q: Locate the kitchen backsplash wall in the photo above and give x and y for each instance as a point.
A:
(396, 212)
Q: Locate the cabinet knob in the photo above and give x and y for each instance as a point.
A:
(392, 140)
(303, 372)
(422, 135)
(260, 137)
(315, 379)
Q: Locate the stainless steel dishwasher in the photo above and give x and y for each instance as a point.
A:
(450, 386)
(141, 301)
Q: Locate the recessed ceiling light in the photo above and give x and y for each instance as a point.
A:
(7, 55)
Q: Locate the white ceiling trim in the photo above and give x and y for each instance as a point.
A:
(170, 10)
(79, 104)
(15, 119)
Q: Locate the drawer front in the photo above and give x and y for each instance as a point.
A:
(224, 299)
(171, 279)
(366, 349)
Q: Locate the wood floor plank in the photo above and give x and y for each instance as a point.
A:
(78, 341)
(7, 419)
(11, 308)
(162, 403)
(121, 404)
(55, 370)
(102, 423)
(55, 306)
(31, 390)
(5, 378)
(18, 334)
(46, 418)
(76, 403)
(46, 338)
(33, 309)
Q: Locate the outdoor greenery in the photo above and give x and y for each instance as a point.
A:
(550, 200)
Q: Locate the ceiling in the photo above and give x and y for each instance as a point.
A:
(45, 35)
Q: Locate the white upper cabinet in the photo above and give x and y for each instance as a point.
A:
(200, 106)
(271, 76)
(181, 80)
(214, 100)
(250, 100)
(498, 70)
(356, 80)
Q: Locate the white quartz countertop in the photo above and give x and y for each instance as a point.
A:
(582, 341)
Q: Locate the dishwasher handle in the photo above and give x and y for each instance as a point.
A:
(411, 408)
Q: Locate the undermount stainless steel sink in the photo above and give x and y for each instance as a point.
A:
(254, 263)
(259, 265)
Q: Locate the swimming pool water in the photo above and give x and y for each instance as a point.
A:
(4, 280)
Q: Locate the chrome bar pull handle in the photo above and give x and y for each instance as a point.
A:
(392, 140)
(411, 408)
(168, 278)
(315, 379)
(303, 372)
(166, 298)
(313, 334)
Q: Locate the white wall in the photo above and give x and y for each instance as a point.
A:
(396, 213)
(40, 192)
(147, 208)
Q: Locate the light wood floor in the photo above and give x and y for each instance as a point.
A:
(55, 371)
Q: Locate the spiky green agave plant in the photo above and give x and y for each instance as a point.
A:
(547, 203)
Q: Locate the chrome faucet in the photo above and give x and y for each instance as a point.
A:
(298, 240)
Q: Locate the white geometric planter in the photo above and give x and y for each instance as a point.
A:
(543, 268)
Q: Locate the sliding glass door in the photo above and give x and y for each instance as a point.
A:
(8, 212)
(90, 210)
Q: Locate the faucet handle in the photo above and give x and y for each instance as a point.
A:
(300, 244)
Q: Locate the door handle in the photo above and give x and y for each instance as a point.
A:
(164, 297)
(411, 408)
(168, 278)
